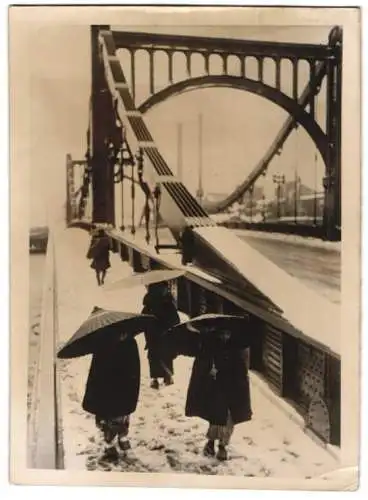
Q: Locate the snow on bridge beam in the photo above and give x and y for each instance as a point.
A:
(141, 40)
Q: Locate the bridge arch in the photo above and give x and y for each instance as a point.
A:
(255, 87)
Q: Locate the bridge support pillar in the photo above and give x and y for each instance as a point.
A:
(103, 188)
(332, 181)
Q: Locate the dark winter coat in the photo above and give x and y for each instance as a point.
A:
(100, 251)
(160, 357)
(113, 382)
(211, 397)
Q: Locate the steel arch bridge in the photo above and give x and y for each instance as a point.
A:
(116, 120)
(117, 128)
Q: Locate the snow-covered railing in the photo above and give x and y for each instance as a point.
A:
(45, 450)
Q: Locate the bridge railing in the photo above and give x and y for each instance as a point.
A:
(45, 450)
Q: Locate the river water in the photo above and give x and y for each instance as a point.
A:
(36, 270)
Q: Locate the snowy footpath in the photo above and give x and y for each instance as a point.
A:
(162, 438)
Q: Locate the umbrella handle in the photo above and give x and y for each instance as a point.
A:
(168, 372)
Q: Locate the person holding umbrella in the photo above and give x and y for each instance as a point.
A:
(113, 382)
(159, 302)
(112, 391)
(219, 389)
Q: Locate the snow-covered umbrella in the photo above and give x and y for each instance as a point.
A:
(145, 279)
(212, 322)
(104, 325)
(184, 337)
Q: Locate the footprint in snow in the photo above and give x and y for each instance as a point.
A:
(292, 453)
(73, 397)
(155, 445)
(207, 469)
(174, 432)
(266, 472)
(172, 460)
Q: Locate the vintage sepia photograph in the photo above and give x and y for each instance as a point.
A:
(192, 256)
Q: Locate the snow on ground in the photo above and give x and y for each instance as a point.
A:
(162, 438)
(290, 238)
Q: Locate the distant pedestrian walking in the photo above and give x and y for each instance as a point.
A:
(99, 252)
(112, 392)
(160, 303)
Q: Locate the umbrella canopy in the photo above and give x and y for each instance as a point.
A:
(145, 279)
(215, 322)
(211, 327)
(103, 324)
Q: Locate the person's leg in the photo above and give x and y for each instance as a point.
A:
(98, 277)
(209, 448)
(168, 380)
(154, 383)
(168, 377)
(153, 367)
(123, 441)
(110, 431)
(224, 439)
(103, 275)
(99, 422)
(167, 364)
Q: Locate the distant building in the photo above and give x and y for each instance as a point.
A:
(257, 195)
(296, 199)
(288, 189)
(214, 197)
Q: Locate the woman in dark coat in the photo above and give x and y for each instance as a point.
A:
(112, 390)
(159, 302)
(100, 253)
(219, 389)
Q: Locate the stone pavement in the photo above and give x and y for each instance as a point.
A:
(163, 439)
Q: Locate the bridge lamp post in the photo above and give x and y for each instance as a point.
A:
(296, 180)
(264, 208)
(296, 196)
(315, 191)
(279, 180)
(251, 191)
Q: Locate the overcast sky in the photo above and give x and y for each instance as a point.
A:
(237, 126)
